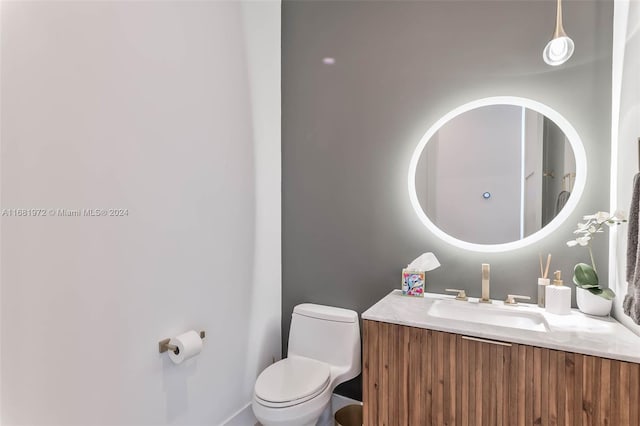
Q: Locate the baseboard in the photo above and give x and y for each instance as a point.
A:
(245, 417)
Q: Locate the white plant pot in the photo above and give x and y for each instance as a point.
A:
(591, 304)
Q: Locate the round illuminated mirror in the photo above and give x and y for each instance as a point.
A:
(497, 174)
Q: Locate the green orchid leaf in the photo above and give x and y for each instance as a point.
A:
(597, 291)
(608, 294)
(586, 286)
(605, 293)
(584, 275)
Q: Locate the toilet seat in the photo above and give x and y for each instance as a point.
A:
(291, 381)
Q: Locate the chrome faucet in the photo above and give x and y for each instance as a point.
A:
(485, 284)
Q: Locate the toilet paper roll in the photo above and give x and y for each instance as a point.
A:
(189, 345)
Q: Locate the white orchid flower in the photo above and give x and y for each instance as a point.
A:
(602, 217)
(619, 215)
(617, 218)
(594, 224)
(583, 241)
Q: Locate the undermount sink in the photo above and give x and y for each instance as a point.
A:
(510, 317)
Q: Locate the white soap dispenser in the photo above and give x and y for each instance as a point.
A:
(558, 297)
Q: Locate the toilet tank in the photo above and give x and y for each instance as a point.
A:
(326, 334)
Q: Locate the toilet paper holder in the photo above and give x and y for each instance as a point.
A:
(164, 345)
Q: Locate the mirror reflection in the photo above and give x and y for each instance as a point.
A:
(495, 174)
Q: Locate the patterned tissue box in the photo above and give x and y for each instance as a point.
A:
(413, 283)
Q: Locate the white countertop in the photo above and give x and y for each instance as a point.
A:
(576, 332)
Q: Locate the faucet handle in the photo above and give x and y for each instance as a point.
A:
(511, 299)
(462, 295)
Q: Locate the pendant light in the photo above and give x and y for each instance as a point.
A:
(560, 48)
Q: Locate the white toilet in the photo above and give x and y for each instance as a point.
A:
(324, 351)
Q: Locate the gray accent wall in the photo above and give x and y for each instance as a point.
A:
(349, 130)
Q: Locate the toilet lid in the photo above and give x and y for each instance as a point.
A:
(292, 379)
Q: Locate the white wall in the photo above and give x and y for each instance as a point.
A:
(626, 131)
(262, 30)
(172, 111)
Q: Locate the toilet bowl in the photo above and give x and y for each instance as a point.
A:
(324, 351)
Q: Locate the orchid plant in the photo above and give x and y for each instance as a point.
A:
(586, 276)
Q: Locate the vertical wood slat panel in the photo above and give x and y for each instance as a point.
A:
(460, 381)
(521, 384)
(614, 403)
(375, 371)
(449, 385)
(634, 392)
(528, 369)
(394, 374)
(577, 392)
(560, 386)
(446, 383)
(492, 387)
(582, 389)
(623, 393)
(513, 385)
(416, 408)
(544, 380)
(372, 368)
(453, 366)
(404, 385)
(366, 375)
(499, 385)
(433, 366)
(596, 390)
(569, 386)
(588, 371)
(371, 401)
(383, 373)
(486, 382)
(438, 379)
(483, 384)
(506, 408)
(427, 359)
(553, 388)
(604, 397)
(471, 347)
(479, 381)
(537, 386)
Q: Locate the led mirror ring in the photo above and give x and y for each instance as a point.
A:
(581, 173)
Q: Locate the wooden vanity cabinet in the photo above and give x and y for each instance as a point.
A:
(414, 376)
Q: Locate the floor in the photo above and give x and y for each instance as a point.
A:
(337, 402)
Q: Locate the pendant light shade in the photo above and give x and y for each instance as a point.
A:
(560, 48)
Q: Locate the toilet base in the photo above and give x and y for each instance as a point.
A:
(326, 418)
(307, 413)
